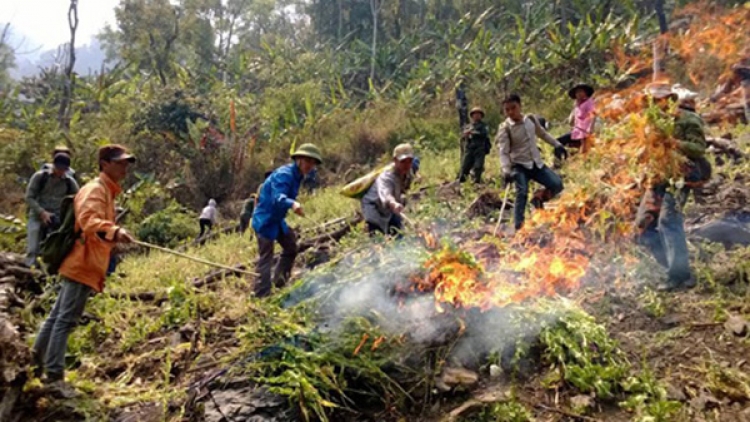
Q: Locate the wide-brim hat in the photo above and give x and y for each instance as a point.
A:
(309, 151)
(588, 89)
(660, 90)
(476, 110)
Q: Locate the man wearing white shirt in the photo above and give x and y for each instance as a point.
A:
(521, 160)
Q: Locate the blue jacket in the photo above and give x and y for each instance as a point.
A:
(277, 195)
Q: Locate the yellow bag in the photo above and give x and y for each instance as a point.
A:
(358, 188)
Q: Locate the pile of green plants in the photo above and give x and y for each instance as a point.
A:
(168, 227)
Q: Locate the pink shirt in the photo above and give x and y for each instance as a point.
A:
(583, 116)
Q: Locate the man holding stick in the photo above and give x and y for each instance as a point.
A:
(83, 270)
(277, 196)
(521, 160)
(383, 203)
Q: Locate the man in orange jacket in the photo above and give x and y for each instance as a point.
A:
(84, 269)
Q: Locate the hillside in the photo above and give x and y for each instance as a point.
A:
(457, 321)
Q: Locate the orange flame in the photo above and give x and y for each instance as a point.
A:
(603, 187)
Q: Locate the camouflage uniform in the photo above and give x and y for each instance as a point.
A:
(660, 220)
(476, 148)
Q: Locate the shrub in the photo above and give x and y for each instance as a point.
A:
(168, 227)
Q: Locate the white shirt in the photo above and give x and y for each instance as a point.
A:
(521, 148)
(208, 213)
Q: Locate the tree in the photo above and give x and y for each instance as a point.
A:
(7, 56)
(147, 34)
(63, 115)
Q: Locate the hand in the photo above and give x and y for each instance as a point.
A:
(297, 208)
(124, 237)
(561, 153)
(508, 179)
(46, 218)
(396, 207)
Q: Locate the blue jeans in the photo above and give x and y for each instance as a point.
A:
(662, 228)
(552, 183)
(52, 342)
(33, 240)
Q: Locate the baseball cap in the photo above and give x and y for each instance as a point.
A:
(403, 151)
(61, 161)
(115, 152)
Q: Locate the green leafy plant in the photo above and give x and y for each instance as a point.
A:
(582, 353)
(168, 227)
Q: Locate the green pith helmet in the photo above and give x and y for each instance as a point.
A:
(310, 151)
(477, 110)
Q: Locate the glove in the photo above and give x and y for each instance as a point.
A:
(561, 153)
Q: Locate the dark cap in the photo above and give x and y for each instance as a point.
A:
(61, 161)
(115, 152)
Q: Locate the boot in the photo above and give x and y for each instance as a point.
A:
(56, 387)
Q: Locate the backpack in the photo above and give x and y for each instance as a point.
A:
(45, 178)
(59, 243)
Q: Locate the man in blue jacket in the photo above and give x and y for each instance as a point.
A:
(277, 196)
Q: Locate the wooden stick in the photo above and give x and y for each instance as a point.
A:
(502, 210)
(408, 220)
(318, 224)
(192, 258)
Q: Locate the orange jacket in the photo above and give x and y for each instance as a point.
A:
(94, 207)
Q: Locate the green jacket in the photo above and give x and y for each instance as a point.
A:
(480, 134)
(45, 192)
(688, 129)
(248, 207)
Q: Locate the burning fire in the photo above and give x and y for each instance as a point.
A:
(595, 213)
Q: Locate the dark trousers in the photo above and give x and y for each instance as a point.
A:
(569, 142)
(395, 227)
(283, 269)
(662, 230)
(552, 183)
(52, 342)
(206, 225)
(244, 224)
(473, 161)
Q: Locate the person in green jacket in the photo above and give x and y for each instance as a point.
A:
(44, 195)
(478, 145)
(660, 222)
(249, 206)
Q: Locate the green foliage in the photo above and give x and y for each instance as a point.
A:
(582, 353)
(318, 372)
(509, 411)
(168, 227)
(648, 399)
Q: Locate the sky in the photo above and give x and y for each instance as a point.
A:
(44, 23)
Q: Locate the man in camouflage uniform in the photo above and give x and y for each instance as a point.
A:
(477, 137)
(660, 220)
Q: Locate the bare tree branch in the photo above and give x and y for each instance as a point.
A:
(63, 116)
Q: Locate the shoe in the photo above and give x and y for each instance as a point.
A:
(673, 285)
(537, 203)
(61, 389)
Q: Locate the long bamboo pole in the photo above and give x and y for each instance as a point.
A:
(193, 258)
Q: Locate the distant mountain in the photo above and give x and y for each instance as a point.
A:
(89, 59)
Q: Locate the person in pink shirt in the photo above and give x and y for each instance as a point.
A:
(582, 118)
